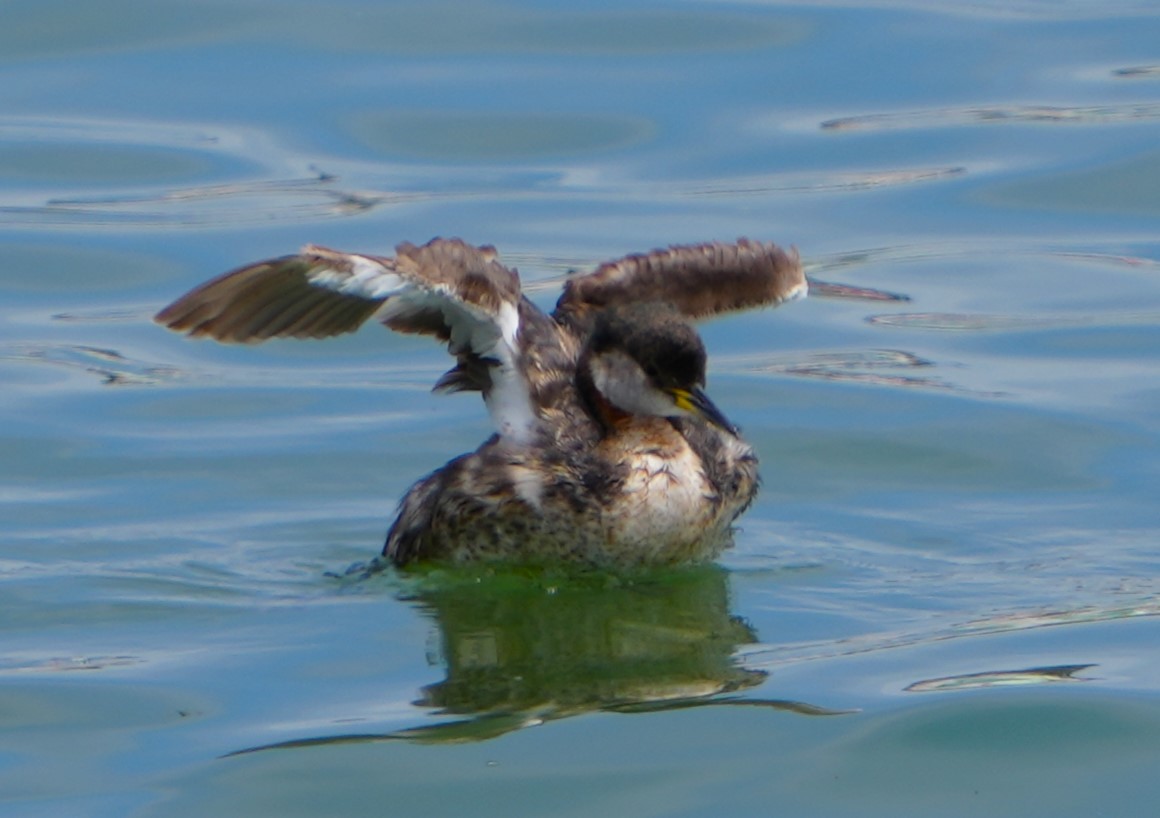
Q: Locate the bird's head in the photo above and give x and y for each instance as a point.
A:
(646, 359)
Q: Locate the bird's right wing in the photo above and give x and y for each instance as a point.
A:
(447, 288)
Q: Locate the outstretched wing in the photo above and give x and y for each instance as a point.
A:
(446, 288)
(700, 280)
(278, 298)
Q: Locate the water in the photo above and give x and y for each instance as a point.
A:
(944, 601)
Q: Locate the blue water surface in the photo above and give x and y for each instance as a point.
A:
(944, 601)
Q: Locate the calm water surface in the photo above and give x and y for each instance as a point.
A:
(945, 601)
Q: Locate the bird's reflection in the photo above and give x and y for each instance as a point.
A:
(524, 648)
(581, 645)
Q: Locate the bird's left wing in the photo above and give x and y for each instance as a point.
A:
(699, 280)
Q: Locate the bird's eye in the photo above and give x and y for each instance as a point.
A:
(651, 370)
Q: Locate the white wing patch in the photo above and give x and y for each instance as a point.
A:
(366, 278)
(799, 292)
(492, 336)
(510, 404)
(473, 329)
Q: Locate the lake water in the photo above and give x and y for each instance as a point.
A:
(945, 601)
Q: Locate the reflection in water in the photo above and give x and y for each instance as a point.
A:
(522, 649)
(773, 656)
(880, 367)
(113, 368)
(1136, 71)
(257, 202)
(579, 646)
(64, 664)
(980, 114)
(1000, 678)
(976, 322)
(833, 181)
(164, 175)
(948, 251)
(828, 289)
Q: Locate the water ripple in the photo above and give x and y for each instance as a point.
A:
(997, 114)
(163, 174)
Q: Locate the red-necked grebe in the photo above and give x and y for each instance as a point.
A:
(607, 450)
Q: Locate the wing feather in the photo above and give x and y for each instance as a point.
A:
(447, 288)
(700, 280)
(269, 299)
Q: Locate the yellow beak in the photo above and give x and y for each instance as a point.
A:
(697, 403)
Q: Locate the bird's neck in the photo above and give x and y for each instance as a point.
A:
(606, 415)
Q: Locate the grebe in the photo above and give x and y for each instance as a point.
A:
(607, 451)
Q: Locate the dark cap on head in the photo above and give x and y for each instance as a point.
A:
(657, 337)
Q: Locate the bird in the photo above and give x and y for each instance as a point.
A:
(606, 452)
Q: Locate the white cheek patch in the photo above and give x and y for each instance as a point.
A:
(624, 384)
